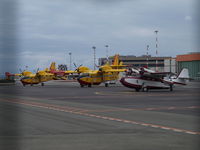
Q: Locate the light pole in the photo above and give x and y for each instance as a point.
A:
(70, 60)
(94, 57)
(156, 31)
(106, 52)
(147, 55)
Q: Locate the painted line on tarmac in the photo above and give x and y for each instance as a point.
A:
(44, 105)
(143, 94)
(147, 109)
(62, 109)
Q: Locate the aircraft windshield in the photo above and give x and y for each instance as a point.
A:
(26, 78)
(84, 75)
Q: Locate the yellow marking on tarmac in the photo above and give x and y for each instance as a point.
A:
(63, 109)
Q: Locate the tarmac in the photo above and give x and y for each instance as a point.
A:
(64, 116)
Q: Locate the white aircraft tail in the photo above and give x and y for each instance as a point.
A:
(182, 78)
(184, 74)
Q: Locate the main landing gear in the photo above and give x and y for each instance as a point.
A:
(137, 90)
(144, 88)
(82, 85)
(171, 87)
(106, 84)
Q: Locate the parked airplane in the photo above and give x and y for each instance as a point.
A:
(39, 77)
(145, 79)
(105, 74)
(87, 77)
(96, 77)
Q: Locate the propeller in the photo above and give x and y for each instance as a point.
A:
(20, 70)
(97, 66)
(77, 67)
(35, 71)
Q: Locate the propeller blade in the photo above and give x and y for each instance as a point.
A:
(75, 65)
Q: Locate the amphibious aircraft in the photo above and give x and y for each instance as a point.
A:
(96, 77)
(48, 74)
(39, 77)
(145, 79)
(86, 76)
(104, 74)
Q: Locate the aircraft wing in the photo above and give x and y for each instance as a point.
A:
(156, 74)
(18, 74)
(70, 71)
(115, 70)
(118, 65)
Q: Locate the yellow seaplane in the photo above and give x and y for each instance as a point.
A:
(39, 77)
(104, 74)
(48, 74)
(87, 76)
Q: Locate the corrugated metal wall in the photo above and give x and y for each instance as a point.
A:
(192, 66)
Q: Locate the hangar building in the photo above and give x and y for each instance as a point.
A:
(190, 61)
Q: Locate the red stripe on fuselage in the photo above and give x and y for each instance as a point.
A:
(136, 86)
(129, 84)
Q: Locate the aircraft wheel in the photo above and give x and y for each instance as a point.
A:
(82, 85)
(137, 90)
(106, 84)
(42, 84)
(144, 89)
(89, 85)
(24, 85)
(31, 84)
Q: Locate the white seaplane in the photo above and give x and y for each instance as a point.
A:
(144, 79)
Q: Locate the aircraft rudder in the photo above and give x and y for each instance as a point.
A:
(184, 74)
(116, 60)
(53, 66)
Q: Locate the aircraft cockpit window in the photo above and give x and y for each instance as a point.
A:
(26, 78)
(84, 75)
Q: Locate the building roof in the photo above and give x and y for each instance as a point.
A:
(188, 57)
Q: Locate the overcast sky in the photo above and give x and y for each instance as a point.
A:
(37, 32)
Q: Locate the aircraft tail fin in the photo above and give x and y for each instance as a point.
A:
(116, 60)
(182, 78)
(7, 73)
(53, 66)
(184, 74)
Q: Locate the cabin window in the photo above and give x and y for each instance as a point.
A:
(84, 75)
